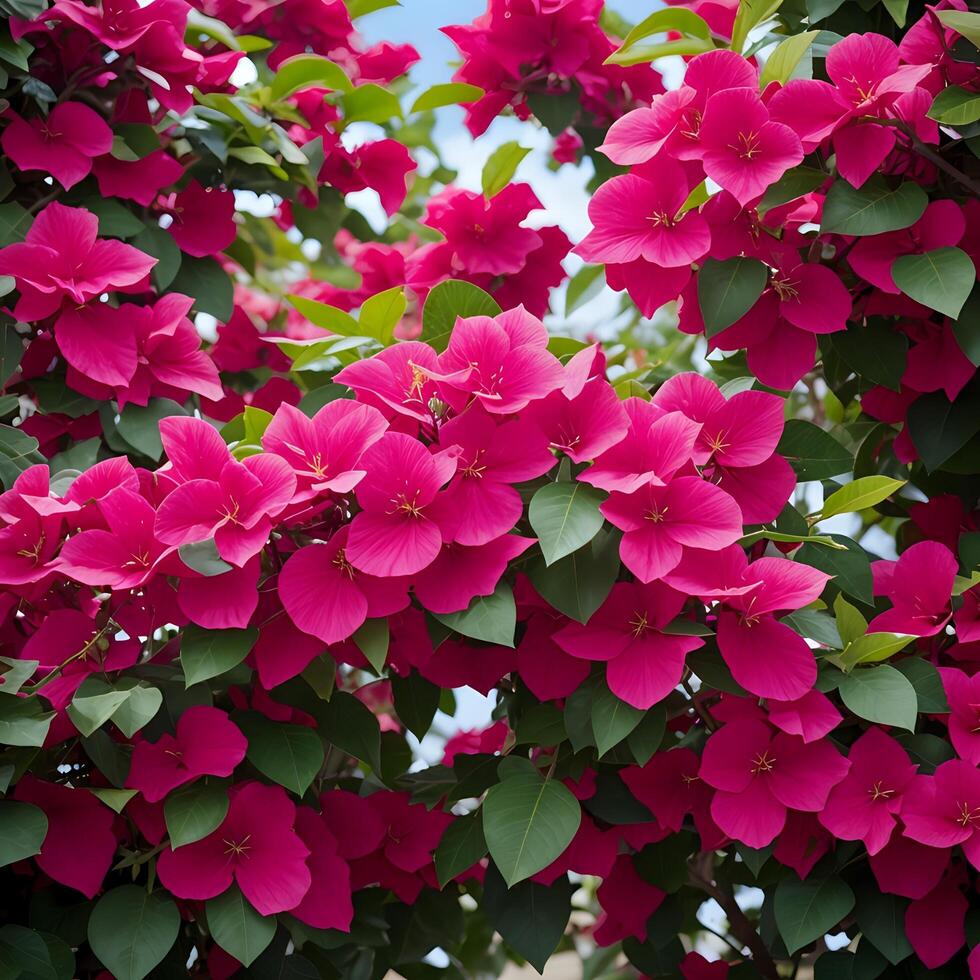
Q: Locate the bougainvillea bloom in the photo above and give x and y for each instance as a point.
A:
(759, 776)
(643, 664)
(206, 743)
(865, 804)
(255, 846)
(943, 810)
(64, 144)
(919, 586)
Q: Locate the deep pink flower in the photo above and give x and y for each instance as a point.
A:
(643, 664)
(63, 144)
(324, 450)
(765, 656)
(203, 219)
(963, 694)
(74, 815)
(226, 601)
(547, 670)
(656, 445)
(382, 165)
(137, 180)
(503, 362)
(637, 216)
(662, 522)
(759, 776)
(943, 810)
(481, 503)
(394, 533)
(327, 904)
(743, 150)
(865, 804)
(811, 716)
(462, 572)
(627, 901)
(919, 586)
(256, 845)
(670, 788)
(327, 597)
(906, 867)
(123, 557)
(935, 924)
(226, 500)
(695, 967)
(206, 743)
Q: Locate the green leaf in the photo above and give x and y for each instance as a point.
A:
(208, 283)
(23, 828)
(751, 13)
(210, 653)
(115, 219)
(612, 719)
(461, 846)
(528, 821)
(290, 755)
(15, 222)
(791, 186)
(806, 910)
(306, 71)
(873, 350)
(781, 64)
(115, 799)
(449, 300)
(351, 726)
(23, 721)
(728, 289)
(578, 584)
(158, 242)
(872, 209)
(203, 558)
(237, 928)
(695, 37)
(645, 739)
(372, 640)
(370, 103)
(530, 917)
(815, 625)
(940, 428)
(860, 495)
(963, 22)
(873, 648)
(139, 425)
(850, 623)
(928, 685)
(26, 953)
(142, 703)
(358, 8)
(381, 313)
(565, 517)
(18, 452)
(941, 279)
(416, 701)
(898, 10)
(501, 166)
(881, 918)
(880, 694)
(586, 284)
(491, 618)
(813, 453)
(326, 316)
(11, 351)
(131, 930)
(447, 93)
(192, 812)
(851, 568)
(955, 106)
(94, 704)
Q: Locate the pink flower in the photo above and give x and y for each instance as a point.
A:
(481, 502)
(206, 744)
(963, 694)
(63, 145)
(743, 150)
(758, 777)
(765, 656)
(327, 597)
(670, 788)
(382, 165)
(919, 586)
(865, 804)
(547, 670)
(203, 219)
(324, 451)
(327, 904)
(943, 810)
(503, 362)
(123, 557)
(637, 216)
(460, 572)
(695, 967)
(935, 924)
(137, 180)
(255, 846)
(656, 445)
(627, 901)
(73, 815)
(394, 533)
(643, 664)
(662, 522)
(231, 502)
(811, 716)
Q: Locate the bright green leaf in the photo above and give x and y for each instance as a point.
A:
(781, 64)
(501, 166)
(447, 93)
(872, 209)
(880, 694)
(306, 71)
(941, 279)
(565, 517)
(210, 653)
(860, 495)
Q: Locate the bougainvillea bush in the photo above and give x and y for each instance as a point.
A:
(282, 475)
